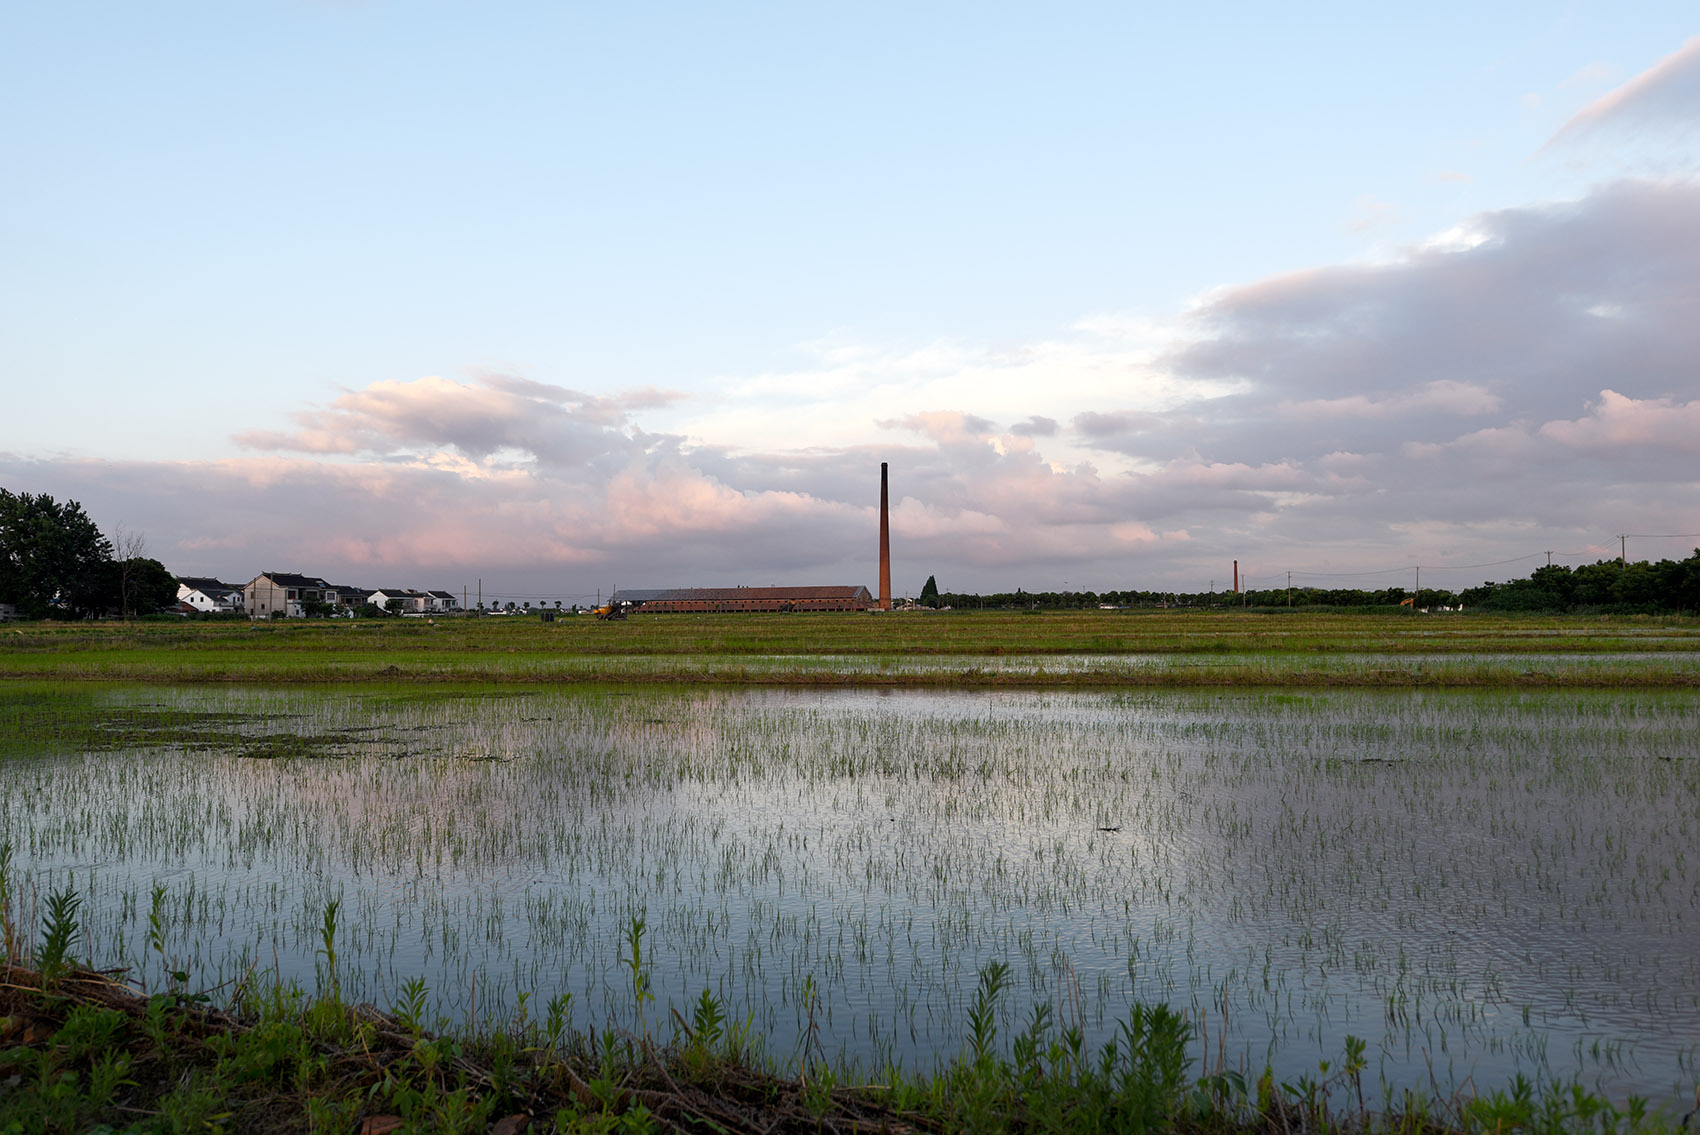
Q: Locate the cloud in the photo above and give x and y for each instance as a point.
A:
(946, 427)
(1616, 423)
(492, 414)
(1444, 396)
(1525, 382)
(1035, 426)
(847, 393)
(1665, 95)
(1460, 382)
(1517, 308)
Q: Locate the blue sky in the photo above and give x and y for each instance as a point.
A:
(567, 296)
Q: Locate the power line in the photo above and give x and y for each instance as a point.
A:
(1247, 579)
(1490, 563)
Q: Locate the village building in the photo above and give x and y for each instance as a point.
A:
(400, 600)
(841, 597)
(351, 597)
(208, 595)
(285, 594)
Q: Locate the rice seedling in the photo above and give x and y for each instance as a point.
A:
(1157, 648)
(1463, 885)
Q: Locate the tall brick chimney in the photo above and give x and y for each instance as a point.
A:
(885, 543)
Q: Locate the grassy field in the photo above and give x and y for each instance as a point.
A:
(99, 1056)
(80, 1051)
(1065, 649)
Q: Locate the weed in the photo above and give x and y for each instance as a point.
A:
(59, 936)
(327, 948)
(410, 1010)
(638, 970)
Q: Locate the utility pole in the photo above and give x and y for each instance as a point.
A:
(1289, 591)
(1622, 552)
(1549, 557)
(1419, 599)
(481, 595)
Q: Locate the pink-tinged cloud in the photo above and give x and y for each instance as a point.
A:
(946, 427)
(1463, 399)
(1132, 532)
(643, 503)
(490, 415)
(1533, 385)
(1619, 423)
(1667, 93)
(1505, 446)
(305, 440)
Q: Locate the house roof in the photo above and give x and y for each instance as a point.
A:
(730, 594)
(290, 579)
(207, 585)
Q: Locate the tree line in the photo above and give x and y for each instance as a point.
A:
(55, 562)
(1605, 587)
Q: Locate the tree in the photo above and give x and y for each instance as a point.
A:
(930, 592)
(129, 549)
(52, 557)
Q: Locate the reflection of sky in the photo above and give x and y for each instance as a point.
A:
(1421, 870)
(1272, 663)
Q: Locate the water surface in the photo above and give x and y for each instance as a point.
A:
(1478, 883)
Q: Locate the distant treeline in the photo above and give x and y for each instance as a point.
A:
(1607, 587)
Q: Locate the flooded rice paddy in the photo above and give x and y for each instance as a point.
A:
(1479, 884)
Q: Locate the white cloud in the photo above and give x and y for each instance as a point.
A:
(1535, 378)
(1616, 423)
(1665, 95)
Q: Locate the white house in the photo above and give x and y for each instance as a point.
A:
(442, 601)
(400, 600)
(206, 594)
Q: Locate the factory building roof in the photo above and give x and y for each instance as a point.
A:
(832, 597)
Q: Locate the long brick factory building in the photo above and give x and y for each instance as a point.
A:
(837, 597)
(704, 599)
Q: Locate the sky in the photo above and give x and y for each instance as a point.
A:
(553, 298)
